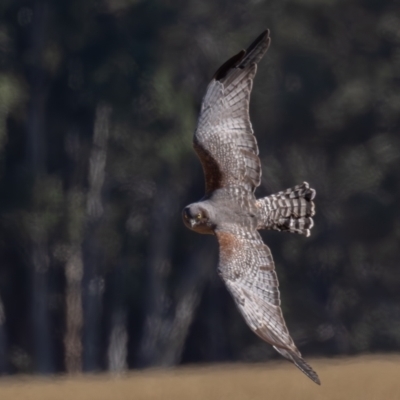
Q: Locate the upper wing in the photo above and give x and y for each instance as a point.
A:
(247, 267)
(224, 139)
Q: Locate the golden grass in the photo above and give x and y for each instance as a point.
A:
(366, 378)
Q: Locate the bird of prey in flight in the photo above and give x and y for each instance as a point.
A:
(228, 151)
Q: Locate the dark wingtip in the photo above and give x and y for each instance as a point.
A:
(306, 369)
(263, 36)
(295, 357)
(227, 65)
(239, 57)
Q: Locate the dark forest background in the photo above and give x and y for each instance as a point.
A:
(98, 104)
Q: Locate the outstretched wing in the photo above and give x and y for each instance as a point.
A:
(224, 139)
(247, 267)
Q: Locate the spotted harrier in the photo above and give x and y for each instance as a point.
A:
(228, 151)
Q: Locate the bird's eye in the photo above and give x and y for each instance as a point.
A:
(198, 216)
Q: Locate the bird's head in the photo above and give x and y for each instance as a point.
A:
(197, 217)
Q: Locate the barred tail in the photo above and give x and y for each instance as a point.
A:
(290, 210)
(299, 363)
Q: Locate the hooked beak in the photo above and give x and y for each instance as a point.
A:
(192, 222)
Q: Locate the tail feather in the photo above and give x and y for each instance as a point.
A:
(298, 361)
(290, 210)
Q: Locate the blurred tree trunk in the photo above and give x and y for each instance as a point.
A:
(216, 350)
(93, 282)
(167, 324)
(197, 271)
(74, 262)
(158, 266)
(118, 344)
(72, 339)
(43, 349)
(36, 152)
(118, 340)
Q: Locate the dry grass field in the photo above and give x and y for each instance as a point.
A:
(366, 378)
